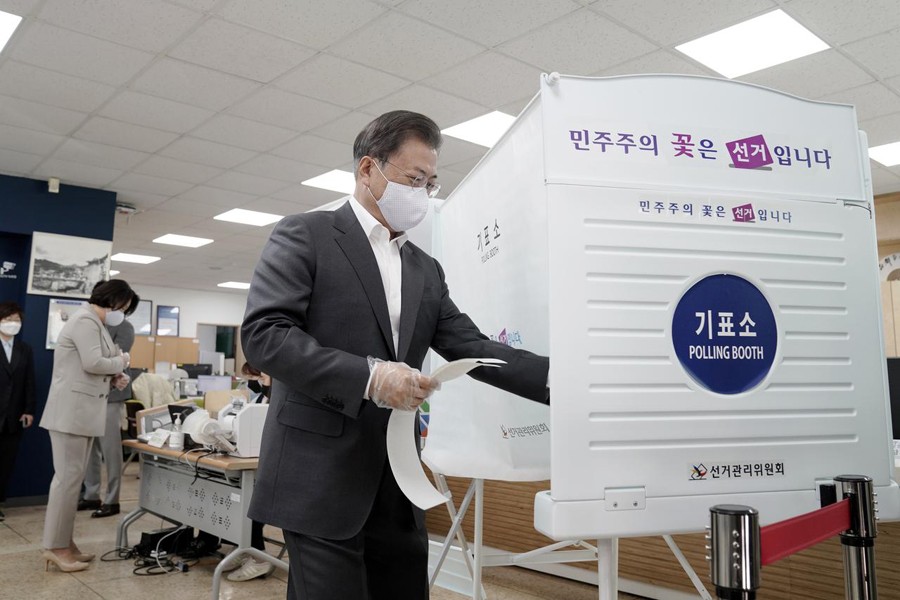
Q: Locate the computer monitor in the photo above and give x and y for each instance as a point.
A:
(194, 370)
(209, 383)
(893, 369)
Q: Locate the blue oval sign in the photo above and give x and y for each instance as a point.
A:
(724, 334)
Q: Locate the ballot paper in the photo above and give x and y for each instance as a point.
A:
(401, 440)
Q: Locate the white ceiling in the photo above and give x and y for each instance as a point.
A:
(187, 108)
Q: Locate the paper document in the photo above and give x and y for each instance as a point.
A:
(401, 441)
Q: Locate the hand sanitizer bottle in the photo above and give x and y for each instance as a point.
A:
(176, 438)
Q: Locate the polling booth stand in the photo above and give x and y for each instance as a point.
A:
(698, 257)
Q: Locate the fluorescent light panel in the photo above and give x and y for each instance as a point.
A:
(182, 240)
(141, 259)
(237, 285)
(485, 130)
(336, 180)
(8, 24)
(888, 154)
(113, 273)
(761, 42)
(248, 217)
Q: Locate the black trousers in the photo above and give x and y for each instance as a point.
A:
(387, 560)
(9, 448)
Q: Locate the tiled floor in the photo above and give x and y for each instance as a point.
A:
(22, 573)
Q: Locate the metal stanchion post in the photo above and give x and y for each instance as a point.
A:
(735, 552)
(858, 542)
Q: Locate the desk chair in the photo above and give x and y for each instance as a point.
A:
(130, 432)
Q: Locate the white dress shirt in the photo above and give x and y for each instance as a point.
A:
(7, 348)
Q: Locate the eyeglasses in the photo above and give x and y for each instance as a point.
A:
(420, 181)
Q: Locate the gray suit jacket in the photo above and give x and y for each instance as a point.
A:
(123, 337)
(83, 364)
(315, 310)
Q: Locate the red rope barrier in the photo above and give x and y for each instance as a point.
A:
(778, 540)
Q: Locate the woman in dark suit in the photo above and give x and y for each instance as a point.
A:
(86, 364)
(16, 390)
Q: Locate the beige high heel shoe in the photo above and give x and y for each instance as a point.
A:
(63, 566)
(79, 555)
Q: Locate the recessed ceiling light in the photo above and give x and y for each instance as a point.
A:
(238, 285)
(141, 259)
(8, 24)
(888, 154)
(182, 240)
(113, 272)
(336, 180)
(484, 130)
(761, 42)
(248, 217)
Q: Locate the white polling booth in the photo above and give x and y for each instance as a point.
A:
(698, 257)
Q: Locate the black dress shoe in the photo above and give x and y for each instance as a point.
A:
(107, 510)
(89, 504)
(2, 516)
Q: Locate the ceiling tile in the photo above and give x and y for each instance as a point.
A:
(33, 83)
(316, 150)
(201, 5)
(18, 163)
(243, 133)
(192, 84)
(878, 53)
(662, 61)
(78, 55)
(246, 183)
(517, 106)
(142, 200)
(28, 140)
(840, 22)
(284, 109)
(282, 169)
(163, 166)
(22, 8)
(344, 129)
(511, 80)
(455, 150)
(489, 23)
(185, 206)
(150, 111)
(153, 185)
(77, 173)
(884, 181)
(882, 130)
(340, 81)
(871, 100)
(571, 45)
(147, 25)
(463, 166)
(812, 76)
(671, 23)
(241, 51)
(99, 155)
(40, 117)
(306, 197)
(424, 51)
(310, 22)
(205, 152)
(444, 109)
(222, 198)
(274, 206)
(124, 135)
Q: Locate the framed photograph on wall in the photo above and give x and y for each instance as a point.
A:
(167, 320)
(64, 265)
(58, 315)
(142, 318)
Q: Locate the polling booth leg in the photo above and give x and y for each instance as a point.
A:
(456, 519)
(686, 566)
(858, 542)
(735, 555)
(479, 538)
(608, 568)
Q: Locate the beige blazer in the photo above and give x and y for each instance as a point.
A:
(83, 364)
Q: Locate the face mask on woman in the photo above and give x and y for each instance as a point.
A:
(114, 318)
(10, 328)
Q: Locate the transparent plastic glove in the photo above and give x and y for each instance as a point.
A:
(127, 358)
(398, 386)
(120, 381)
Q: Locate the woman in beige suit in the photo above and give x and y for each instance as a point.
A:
(86, 364)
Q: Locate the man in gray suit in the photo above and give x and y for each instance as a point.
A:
(341, 312)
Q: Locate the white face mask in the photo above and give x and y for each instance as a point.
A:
(114, 317)
(10, 328)
(403, 206)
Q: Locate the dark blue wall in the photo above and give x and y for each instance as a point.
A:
(25, 207)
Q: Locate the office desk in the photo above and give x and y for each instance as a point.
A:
(216, 501)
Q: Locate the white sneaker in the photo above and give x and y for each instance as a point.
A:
(236, 564)
(251, 570)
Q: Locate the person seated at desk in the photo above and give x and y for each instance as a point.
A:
(260, 385)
